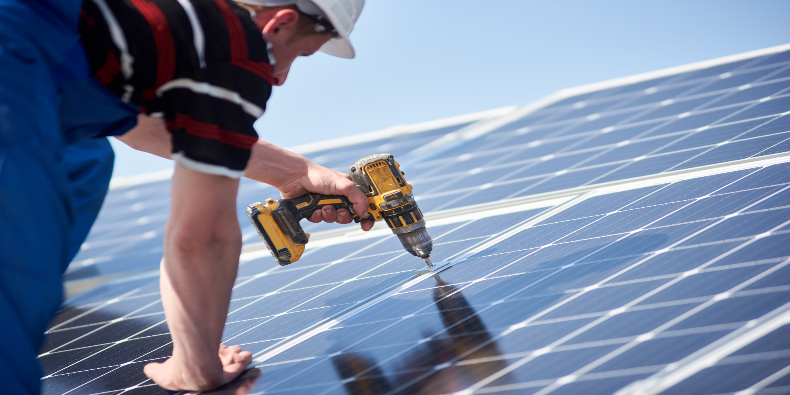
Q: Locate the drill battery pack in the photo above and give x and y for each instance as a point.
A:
(281, 245)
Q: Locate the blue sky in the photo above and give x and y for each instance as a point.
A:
(419, 60)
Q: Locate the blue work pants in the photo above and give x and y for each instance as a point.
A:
(53, 178)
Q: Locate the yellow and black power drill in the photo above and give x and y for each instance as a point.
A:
(389, 199)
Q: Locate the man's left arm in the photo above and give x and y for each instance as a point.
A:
(202, 246)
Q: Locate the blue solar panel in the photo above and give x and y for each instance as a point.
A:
(598, 293)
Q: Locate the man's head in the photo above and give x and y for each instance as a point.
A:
(301, 27)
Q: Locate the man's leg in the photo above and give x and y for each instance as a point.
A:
(89, 163)
(35, 212)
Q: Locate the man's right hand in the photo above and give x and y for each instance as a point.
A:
(319, 179)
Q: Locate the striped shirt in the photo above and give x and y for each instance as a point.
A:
(201, 65)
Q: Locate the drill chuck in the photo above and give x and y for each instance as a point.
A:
(417, 242)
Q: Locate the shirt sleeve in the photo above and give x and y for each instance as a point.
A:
(210, 112)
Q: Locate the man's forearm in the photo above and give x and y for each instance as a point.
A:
(273, 165)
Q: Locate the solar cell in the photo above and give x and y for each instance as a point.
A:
(645, 225)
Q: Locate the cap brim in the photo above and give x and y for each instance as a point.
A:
(339, 47)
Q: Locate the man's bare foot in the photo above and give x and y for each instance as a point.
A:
(176, 375)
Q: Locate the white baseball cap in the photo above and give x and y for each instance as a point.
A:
(341, 14)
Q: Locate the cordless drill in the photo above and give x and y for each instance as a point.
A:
(389, 199)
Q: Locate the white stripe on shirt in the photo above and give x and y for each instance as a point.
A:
(198, 37)
(117, 38)
(213, 91)
(207, 168)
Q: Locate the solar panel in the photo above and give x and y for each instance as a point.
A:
(629, 237)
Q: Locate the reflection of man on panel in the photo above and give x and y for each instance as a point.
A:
(466, 338)
(198, 73)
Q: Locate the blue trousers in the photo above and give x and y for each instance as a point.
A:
(55, 168)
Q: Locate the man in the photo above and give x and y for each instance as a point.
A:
(201, 71)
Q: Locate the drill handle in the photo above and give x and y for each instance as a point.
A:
(304, 206)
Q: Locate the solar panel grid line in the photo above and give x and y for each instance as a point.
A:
(640, 109)
(632, 372)
(442, 143)
(726, 79)
(599, 375)
(691, 272)
(568, 379)
(597, 132)
(667, 83)
(291, 309)
(773, 390)
(589, 134)
(647, 138)
(96, 330)
(672, 71)
(104, 367)
(400, 130)
(636, 137)
(436, 218)
(113, 321)
(454, 139)
(694, 132)
(590, 288)
(92, 308)
(628, 339)
(113, 299)
(756, 387)
(712, 353)
(670, 117)
(728, 141)
(587, 377)
(625, 162)
(310, 332)
(316, 328)
(394, 356)
(778, 69)
(113, 369)
(248, 257)
(755, 357)
(645, 180)
(572, 201)
(785, 318)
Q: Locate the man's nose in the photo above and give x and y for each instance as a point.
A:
(279, 78)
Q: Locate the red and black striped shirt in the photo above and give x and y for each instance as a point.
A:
(201, 65)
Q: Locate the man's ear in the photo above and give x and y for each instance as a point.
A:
(280, 24)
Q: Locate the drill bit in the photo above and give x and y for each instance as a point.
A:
(428, 261)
